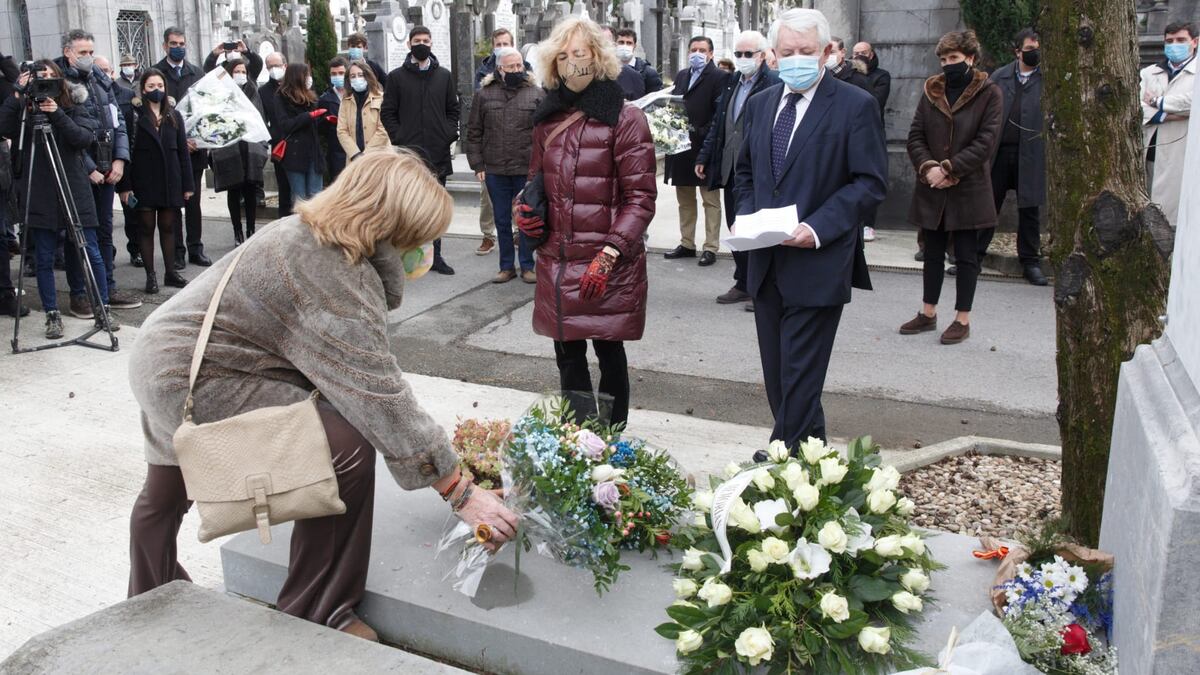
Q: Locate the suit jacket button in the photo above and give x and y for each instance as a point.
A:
(428, 469)
(776, 193)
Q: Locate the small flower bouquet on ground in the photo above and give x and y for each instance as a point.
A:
(584, 494)
(668, 122)
(478, 444)
(217, 114)
(805, 564)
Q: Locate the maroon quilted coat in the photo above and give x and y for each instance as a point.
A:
(599, 179)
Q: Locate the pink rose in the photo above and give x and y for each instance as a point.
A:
(590, 444)
(606, 495)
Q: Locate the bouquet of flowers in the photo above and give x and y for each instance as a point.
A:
(584, 495)
(801, 564)
(217, 114)
(668, 123)
(478, 446)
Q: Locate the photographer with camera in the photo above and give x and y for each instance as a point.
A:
(42, 92)
(235, 51)
(110, 153)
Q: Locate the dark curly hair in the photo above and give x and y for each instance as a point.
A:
(959, 41)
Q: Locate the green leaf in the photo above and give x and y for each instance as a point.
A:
(686, 615)
(848, 628)
(669, 630)
(784, 519)
(871, 589)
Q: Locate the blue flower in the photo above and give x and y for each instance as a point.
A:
(623, 455)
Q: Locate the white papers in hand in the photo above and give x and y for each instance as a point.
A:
(761, 229)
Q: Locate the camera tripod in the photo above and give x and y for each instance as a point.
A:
(43, 137)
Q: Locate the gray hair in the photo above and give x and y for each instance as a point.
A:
(802, 21)
(282, 57)
(760, 40)
(75, 34)
(507, 51)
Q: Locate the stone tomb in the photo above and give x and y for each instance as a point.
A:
(551, 622)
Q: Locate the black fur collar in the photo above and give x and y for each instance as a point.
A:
(601, 101)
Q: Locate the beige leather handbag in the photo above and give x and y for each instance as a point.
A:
(257, 469)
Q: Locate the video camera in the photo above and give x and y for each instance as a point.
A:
(40, 88)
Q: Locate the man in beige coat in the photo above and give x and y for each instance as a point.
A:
(1166, 92)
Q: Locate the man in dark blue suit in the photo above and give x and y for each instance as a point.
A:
(817, 144)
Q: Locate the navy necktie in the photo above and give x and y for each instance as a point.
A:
(782, 134)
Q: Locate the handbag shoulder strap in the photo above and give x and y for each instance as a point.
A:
(206, 329)
(571, 119)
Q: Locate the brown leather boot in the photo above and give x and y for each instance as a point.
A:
(956, 333)
(358, 628)
(919, 324)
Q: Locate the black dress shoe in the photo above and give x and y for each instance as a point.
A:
(680, 252)
(135, 259)
(919, 256)
(1033, 274)
(952, 270)
(180, 261)
(199, 259)
(707, 258)
(760, 457)
(440, 266)
(174, 280)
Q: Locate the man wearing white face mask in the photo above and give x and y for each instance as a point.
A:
(276, 64)
(626, 47)
(718, 157)
(815, 144)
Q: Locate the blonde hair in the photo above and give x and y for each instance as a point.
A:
(607, 65)
(387, 194)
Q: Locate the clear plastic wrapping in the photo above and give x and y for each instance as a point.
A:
(668, 122)
(216, 113)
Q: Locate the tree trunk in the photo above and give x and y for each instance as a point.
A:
(1110, 247)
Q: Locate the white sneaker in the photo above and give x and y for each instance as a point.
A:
(868, 233)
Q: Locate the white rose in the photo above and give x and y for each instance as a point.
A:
(776, 550)
(684, 588)
(742, 516)
(889, 546)
(813, 450)
(915, 581)
(688, 642)
(700, 521)
(605, 472)
(703, 499)
(758, 560)
(834, 606)
(833, 537)
(875, 640)
(907, 602)
(913, 543)
(793, 474)
(880, 501)
(832, 471)
(778, 452)
(807, 496)
(755, 645)
(732, 469)
(715, 593)
(766, 512)
(905, 507)
(763, 480)
(887, 478)
(693, 559)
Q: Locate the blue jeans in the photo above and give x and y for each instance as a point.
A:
(103, 195)
(305, 184)
(503, 190)
(45, 242)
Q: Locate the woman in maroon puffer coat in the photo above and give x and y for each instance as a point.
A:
(600, 192)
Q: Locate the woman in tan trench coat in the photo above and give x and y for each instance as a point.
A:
(307, 309)
(951, 144)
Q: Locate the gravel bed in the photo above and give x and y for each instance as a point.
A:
(985, 494)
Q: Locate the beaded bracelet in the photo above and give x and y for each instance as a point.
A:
(463, 498)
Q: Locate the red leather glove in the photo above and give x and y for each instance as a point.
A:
(595, 279)
(332, 119)
(317, 113)
(529, 223)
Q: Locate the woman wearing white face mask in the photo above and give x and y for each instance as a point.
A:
(360, 127)
(238, 168)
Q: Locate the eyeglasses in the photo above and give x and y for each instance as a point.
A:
(747, 55)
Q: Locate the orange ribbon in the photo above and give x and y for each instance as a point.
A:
(997, 554)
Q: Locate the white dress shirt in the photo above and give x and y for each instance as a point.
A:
(801, 108)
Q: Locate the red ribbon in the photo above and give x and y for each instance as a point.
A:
(997, 554)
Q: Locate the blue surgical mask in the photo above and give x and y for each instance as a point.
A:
(355, 53)
(358, 84)
(1177, 52)
(799, 72)
(338, 81)
(177, 53)
(697, 60)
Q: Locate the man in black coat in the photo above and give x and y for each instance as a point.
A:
(850, 71)
(718, 157)
(276, 63)
(1020, 162)
(626, 46)
(357, 51)
(700, 85)
(181, 75)
(331, 101)
(420, 111)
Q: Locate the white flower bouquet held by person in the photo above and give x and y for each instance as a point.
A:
(668, 123)
(801, 564)
(217, 114)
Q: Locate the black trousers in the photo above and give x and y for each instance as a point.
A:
(1005, 174)
(966, 247)
(575, 378)
(132, 238)
(795, 344)
(285, 190)
(740, 258)
(191, 210)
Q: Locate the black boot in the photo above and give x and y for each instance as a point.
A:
(10, 305)
(151, 282)
(237, 234)
(174, 279)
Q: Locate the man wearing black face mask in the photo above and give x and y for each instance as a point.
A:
(421, 112)
(1021, 159)
(499, 141)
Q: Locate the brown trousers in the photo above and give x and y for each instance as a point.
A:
(327, 572)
